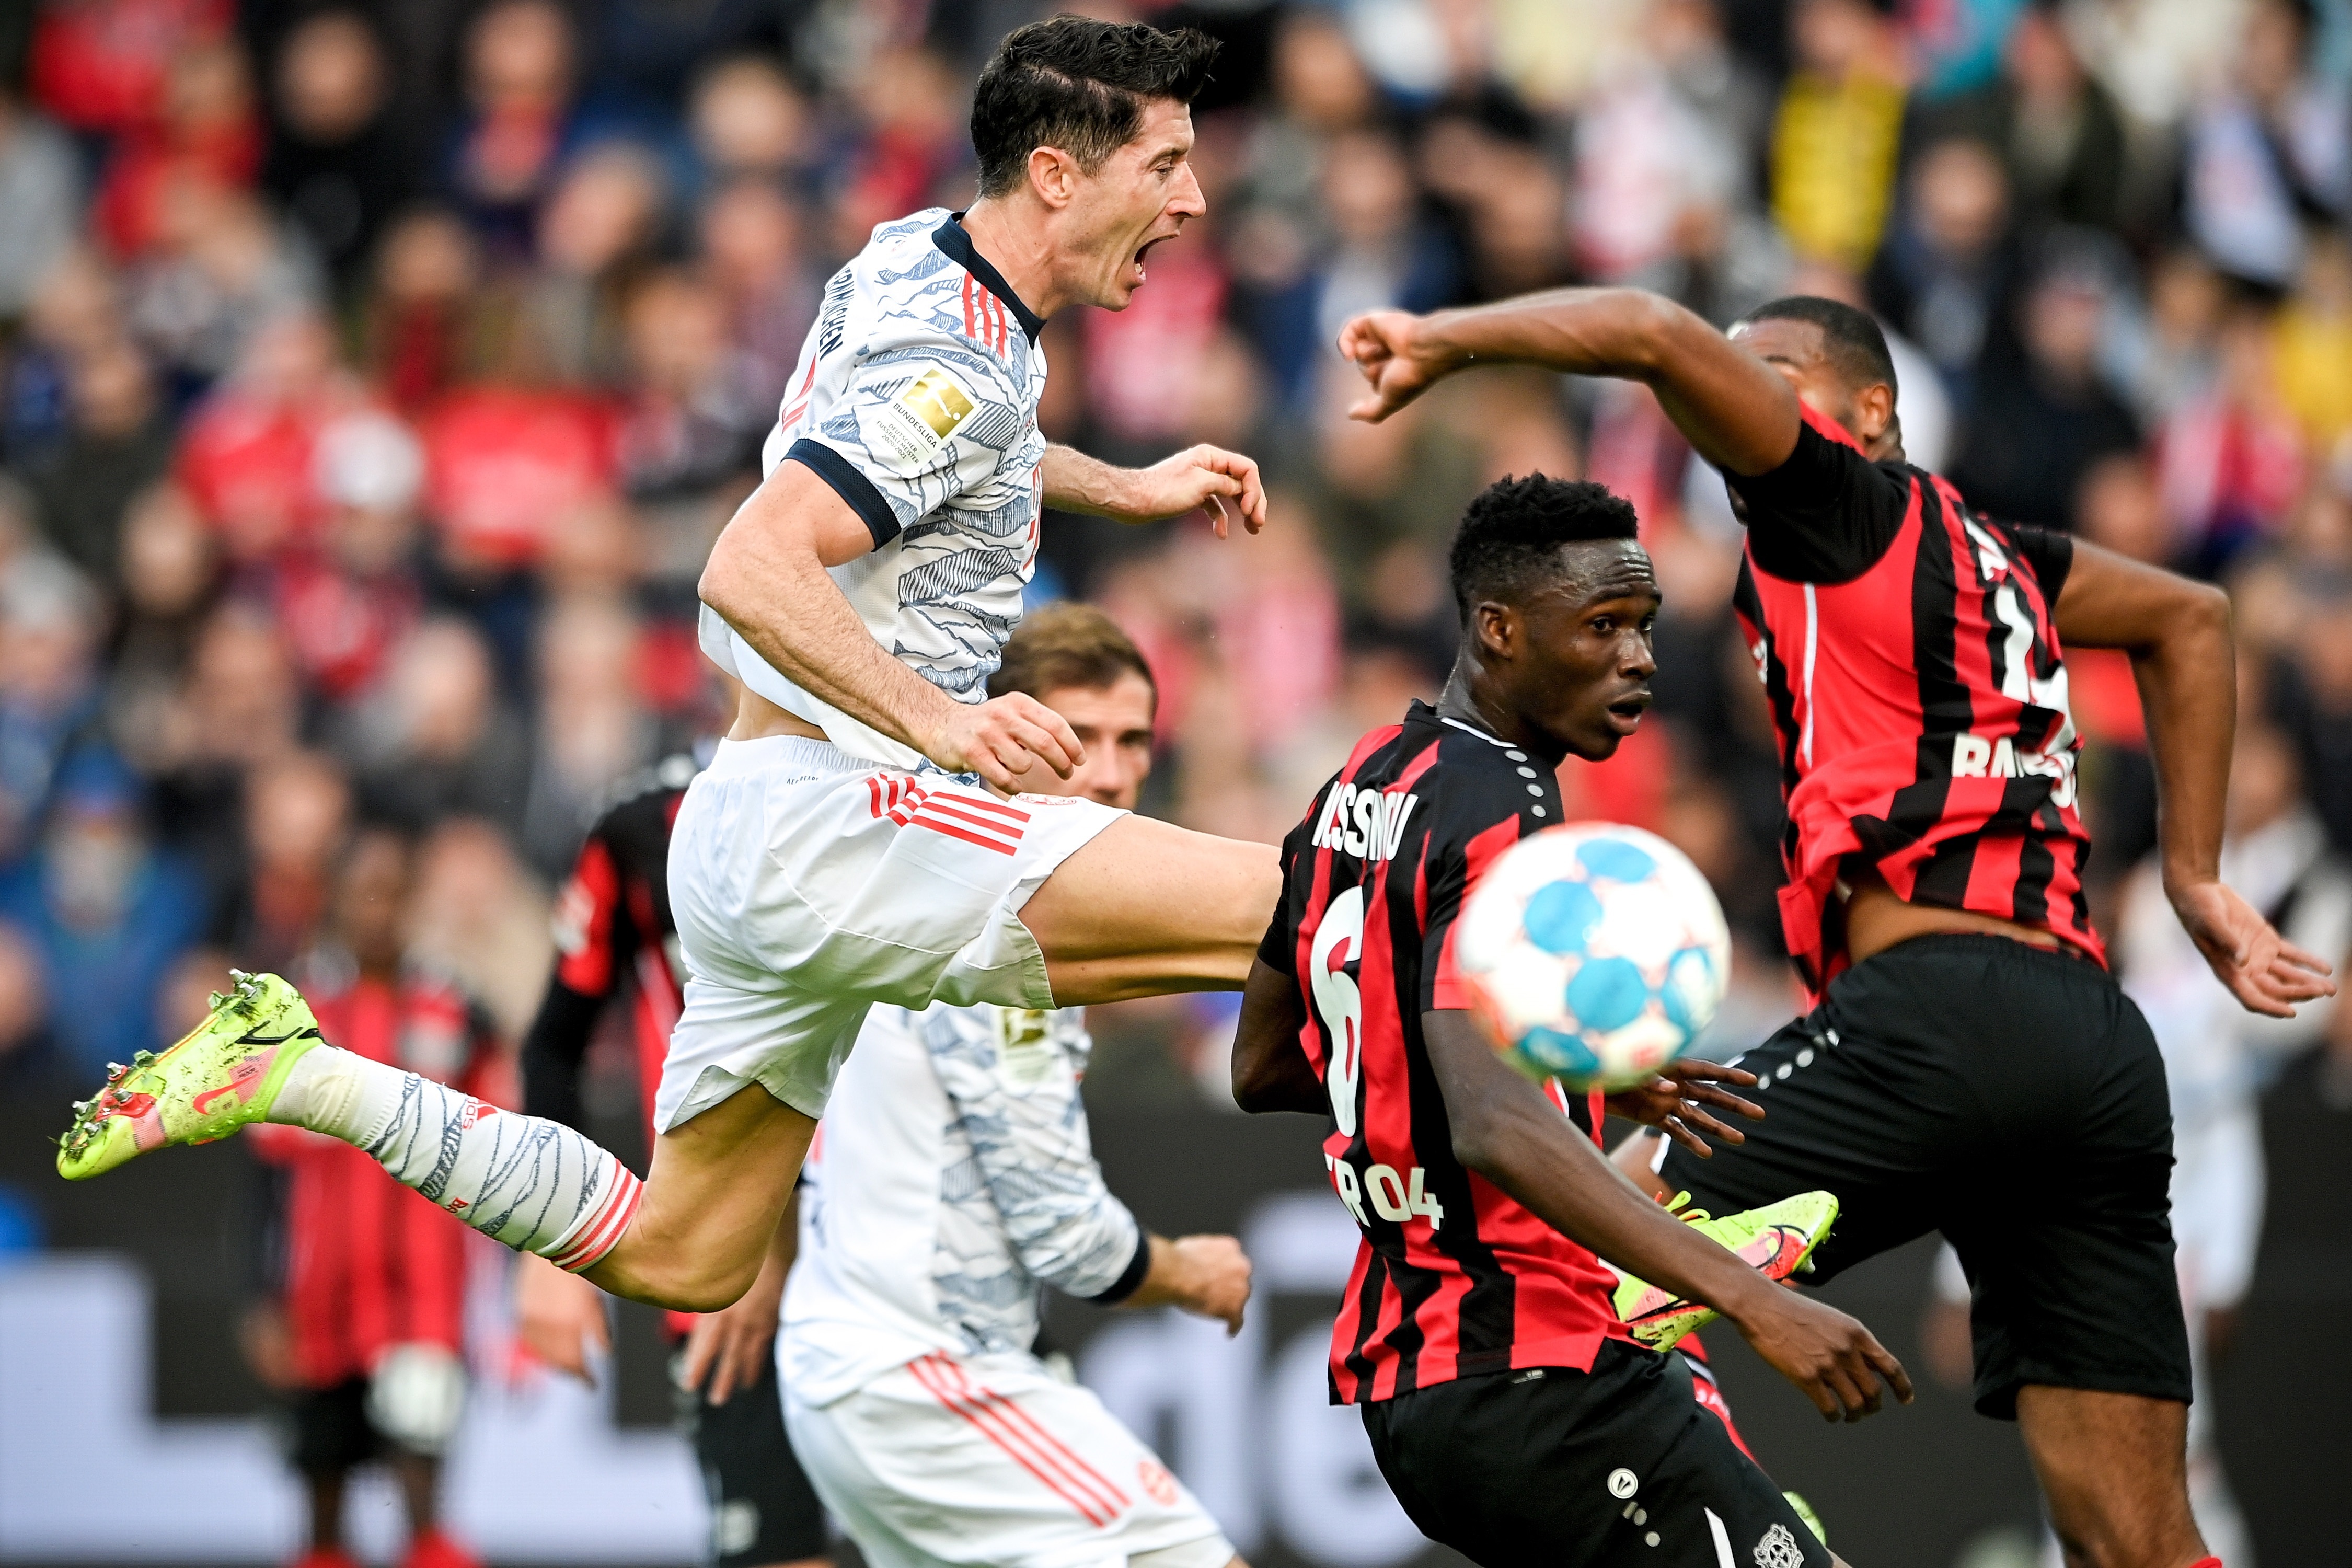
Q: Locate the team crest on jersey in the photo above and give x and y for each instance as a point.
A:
(1779, 1549)
(909, 428)
(1022, 1038)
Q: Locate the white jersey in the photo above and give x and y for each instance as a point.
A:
(952, 1174)
(916, 399)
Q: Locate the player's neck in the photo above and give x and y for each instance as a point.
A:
(1462, 703)
(1010, 235)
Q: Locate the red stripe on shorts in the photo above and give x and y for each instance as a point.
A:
(945, 1383)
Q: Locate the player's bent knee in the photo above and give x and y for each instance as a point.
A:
(674, 1280)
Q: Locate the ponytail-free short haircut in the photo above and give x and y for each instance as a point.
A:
(1510, 536)
(1850, 338)
(1068, 645)
(1079, 85)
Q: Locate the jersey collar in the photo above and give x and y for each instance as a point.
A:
(951, 238)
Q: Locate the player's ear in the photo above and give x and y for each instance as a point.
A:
(1873, 411)
(1054, 175)
(1498, 628)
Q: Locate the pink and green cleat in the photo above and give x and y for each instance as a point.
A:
(1776, 1240)
(222, 1075)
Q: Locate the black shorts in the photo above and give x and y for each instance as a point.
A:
(2012, 1097)
(1552, 1467)
(332, 1432)
(762, 1509)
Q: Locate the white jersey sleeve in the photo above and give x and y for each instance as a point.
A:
(916, 400)
(1013, 1080)
(951, 1176)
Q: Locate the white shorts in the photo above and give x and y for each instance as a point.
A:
(993, 1462)
(809, 885)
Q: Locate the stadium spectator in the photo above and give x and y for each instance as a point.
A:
(106, 910)
(1949, 268)
(40, 189)
(2042, 416)
(336, 164)
(2267, 149)
(1834, 135)
(438, 743)
(362, 1327)
(119, 440)
(521, 119)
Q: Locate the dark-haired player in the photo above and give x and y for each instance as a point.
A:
(1968, 1064)
(615, 938)
(1511, 1413)
(846, 846)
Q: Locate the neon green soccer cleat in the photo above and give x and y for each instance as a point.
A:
(224, 1073)
(1813, 1520)
(1776, 1240)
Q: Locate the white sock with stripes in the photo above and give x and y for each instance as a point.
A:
(534, 1184)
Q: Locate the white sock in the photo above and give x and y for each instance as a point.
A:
(534, 1184)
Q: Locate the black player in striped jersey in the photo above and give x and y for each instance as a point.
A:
(1508, 1408)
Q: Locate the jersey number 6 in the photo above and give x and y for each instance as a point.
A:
(1340, 937)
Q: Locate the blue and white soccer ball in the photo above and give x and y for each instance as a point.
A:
(1595, 953)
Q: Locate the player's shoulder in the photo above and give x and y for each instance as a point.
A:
(1433, 778)
(919, 290)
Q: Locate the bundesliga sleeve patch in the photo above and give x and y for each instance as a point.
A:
(906, 433)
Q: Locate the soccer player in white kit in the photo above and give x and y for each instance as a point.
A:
(952, 1176)
(847, 846)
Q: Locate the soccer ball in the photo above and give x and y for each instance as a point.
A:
(1594, 953)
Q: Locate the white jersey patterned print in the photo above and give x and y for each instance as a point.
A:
(813, 878)
(916, 399)
(953, 1175)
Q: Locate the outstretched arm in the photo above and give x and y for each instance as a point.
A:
(1506, 1131)
(1205, 478)
(1735, 410)
(2178, 634)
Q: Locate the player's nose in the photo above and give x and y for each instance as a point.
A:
(1185, 199)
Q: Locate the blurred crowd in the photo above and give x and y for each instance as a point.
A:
(373, 378)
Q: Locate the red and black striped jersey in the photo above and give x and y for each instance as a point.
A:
(1908, 649)
(1454, 1278)
(365, 1263)
(614, 932)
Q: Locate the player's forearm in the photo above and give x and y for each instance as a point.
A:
(2189, 689)
(1539, 1159)
(1077, 483)
(772, 588)
(1736, 410)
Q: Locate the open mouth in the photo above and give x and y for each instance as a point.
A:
(1625, 713)
(1144, 250)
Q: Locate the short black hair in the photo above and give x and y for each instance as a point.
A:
(1512, 531)
(1079, 85)
(1850, 338)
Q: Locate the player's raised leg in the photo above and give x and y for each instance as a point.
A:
(1148, 907)
(534, 1184)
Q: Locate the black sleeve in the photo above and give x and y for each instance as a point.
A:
(2049, 552)
(597, 941)
(554, 1050)
(1278, 950)
(1826, 515)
